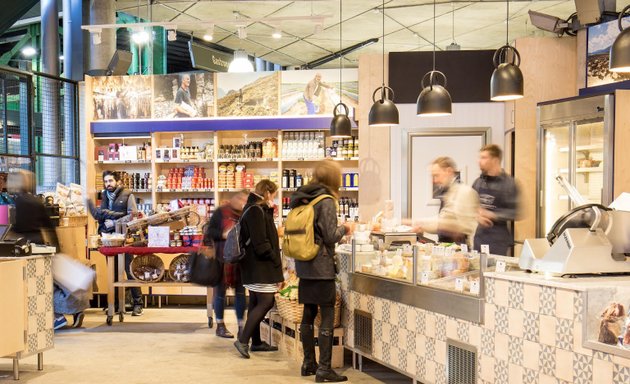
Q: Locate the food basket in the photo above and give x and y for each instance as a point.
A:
(292, 310)
(108, 240)
(148, 268)
(178, 269)
(158, 218)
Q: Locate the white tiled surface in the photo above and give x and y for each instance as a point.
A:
(532, 335)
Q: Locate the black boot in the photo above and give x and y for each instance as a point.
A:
(325, 373)
(309, 365)
(222, 331)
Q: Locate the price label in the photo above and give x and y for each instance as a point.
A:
(464, 248)
(300, 159)
(500, 266)
(226, 190)
(424, 277)
(100, 162)
(269, 159)
(195, 190)
(485, 248)
(459, 284)
(185, 160)
(166, 160)
(127, 161)
(474, 287)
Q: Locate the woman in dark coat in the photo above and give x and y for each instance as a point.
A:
(261, 269)
(317, 276)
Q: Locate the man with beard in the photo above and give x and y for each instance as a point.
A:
(498, 198)
(116, 203)
(183, 103)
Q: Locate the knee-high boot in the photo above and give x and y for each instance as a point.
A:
(309, 365)
(325, 373)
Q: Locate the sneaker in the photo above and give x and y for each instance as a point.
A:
(137, 310)
(60, 322)
(78, 319)
(263, 347)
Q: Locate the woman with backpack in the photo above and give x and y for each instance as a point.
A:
(317, 276)
(261, 267)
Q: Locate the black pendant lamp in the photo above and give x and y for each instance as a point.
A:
(340, 125)
(434, 99)
(506, 82)
(620, 50)
(383, 112)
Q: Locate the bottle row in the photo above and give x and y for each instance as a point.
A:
(348, 209)
(136, 180)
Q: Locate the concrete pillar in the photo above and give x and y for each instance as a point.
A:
(72, 39)
(50, 94)
(102, 12)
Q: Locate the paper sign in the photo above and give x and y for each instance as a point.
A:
(485, 248)
(464, 248)
(500, 266)
(424, 277)
(158, 236)
(474, 287)
(459, 284)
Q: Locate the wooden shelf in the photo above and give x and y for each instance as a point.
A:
(250, 160)
(184, 190)
(184, 161)
(584, 148)
(124, 162)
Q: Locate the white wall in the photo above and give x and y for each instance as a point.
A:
(465, 115)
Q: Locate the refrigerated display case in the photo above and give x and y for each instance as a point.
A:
(575, 140)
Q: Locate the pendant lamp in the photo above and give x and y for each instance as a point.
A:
(383, 111)
(340, 125)
(434, 99)
(506, 82)
(620, 50)
(241, 63)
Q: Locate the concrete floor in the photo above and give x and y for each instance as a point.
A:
(168, 345)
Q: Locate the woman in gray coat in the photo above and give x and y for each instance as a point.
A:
(317, 277)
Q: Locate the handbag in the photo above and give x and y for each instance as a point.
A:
(205, 269)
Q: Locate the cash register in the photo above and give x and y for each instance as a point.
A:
(12, 247)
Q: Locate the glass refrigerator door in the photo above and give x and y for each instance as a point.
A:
(556, 161)
(589, 159)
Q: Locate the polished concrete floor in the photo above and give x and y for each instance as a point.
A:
(168, 345)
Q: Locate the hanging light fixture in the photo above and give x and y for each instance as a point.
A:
(506, 82)
(340, 125)
(383, 111)
(620, 50)
(434, 99)
(241, 62)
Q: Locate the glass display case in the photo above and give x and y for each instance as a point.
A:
(397, 263)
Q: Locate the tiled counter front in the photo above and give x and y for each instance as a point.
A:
(531, 334)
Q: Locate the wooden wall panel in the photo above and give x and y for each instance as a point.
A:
(621, 178)
(549, 66)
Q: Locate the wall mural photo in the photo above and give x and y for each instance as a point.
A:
(122, 97)
(600, 39)
(247, 94)
(184, 95)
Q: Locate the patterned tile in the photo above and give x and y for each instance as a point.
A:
(387, 353)
(378, 329)
(402, 359)
(516, 351)
(463, 331)
(547, 360)
(440, 373)
(603, 356)
(440, 328)
(621, 374)
(41, 287)
(393, 335)
(564, 334)
(356, 300)
(516, 295)
(548, 301)
(387, 311)
(490, 290)
(370, 304)
(532, 326)
(487, 342)
(501, 373)
(411, 342)
(501, 322)
(582, 368)
(421, 322)
(530, 376)
(578, 305)
(421, 367)
(430, 345)
(402, 316)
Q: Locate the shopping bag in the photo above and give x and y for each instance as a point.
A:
(205, 269)
(71, 274)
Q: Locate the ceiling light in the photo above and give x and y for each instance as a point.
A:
(241, 62)
(242, 33)
(383, 111)
(277, 34)
(61, 57)
(620, 50)
(453, 47)
(96, 37)
(209, 35)
(29, 51)
(140, 37)
(171, 35)
(340, 125)
(434, 99)
(318, 28)
(506, 82)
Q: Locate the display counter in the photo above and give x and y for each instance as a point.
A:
(520, 328)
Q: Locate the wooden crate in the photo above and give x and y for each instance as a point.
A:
(271, 329)
(292, 344)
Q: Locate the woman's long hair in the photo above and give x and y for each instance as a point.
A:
(328, 174)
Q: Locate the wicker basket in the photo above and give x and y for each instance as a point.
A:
(292, 311)
(148, 268)
(158, 218)
(172, 268)
(106, 242)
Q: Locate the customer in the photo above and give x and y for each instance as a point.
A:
(457, 219)
(116, 203)
(499, 203)
(222, 220)
(261, 269)
(33, 223)
(317, 276)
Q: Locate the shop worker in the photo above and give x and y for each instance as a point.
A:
(312, 91)
(457, 219)
(499, 201)
(33, 223)
(222, 220)
(116, 203)
(183, 104)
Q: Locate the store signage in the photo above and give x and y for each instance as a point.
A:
(208, 58)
